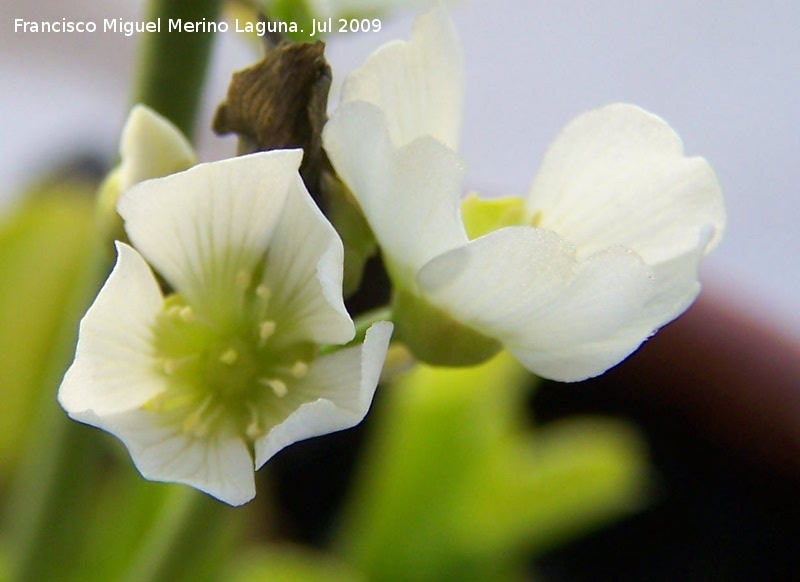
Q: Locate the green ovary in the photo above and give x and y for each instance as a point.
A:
(482, 216)
(225, 377)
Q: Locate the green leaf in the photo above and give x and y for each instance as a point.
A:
(44, 247)
(457, 486)
(435, 428)
(547, 488)
(49, 257)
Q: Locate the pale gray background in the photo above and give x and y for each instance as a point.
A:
(724, 74)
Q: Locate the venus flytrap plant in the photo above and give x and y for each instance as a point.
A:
(571, 279)
(210, 381)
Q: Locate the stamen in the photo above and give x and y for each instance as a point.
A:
(186, 313)
(174, 311)
(278, 386)
(265, 331)
(263, 292)
(299, 369)
(194, 425)
(243, 279)
(229, 356)
(171, 365)
(254, 429)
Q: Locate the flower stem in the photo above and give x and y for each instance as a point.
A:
(172, 63)
(187, 539)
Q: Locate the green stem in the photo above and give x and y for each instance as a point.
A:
(186, 540)
(172, 64)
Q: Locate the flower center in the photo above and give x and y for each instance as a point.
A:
(228, 373)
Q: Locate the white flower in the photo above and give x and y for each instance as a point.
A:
(208, 383)
(603, 252)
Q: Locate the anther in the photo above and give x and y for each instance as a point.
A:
(299, 369)
(194, 425)
(253, 430)
(263, 292)
(186, 313)
(229, 356)
(278, 386)
(265, 331)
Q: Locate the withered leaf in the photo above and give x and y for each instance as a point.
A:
(281, 102)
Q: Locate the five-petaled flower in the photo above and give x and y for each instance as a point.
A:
(208, 382)
(602, 252)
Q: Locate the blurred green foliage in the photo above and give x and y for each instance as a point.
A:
(286, 563)
(45, 242)
(70, 512)
(457, 486)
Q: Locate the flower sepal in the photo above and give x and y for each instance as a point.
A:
(435, 338)
(349, 221)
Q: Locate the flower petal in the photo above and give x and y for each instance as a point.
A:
(677, 285)
(418, 84)
(411, 196)
(114, 369)
(202, 227)
(617, 176)
(564, 319)
(305, 260)
(335, 394)
(357, 143)
(151, 147)
(221, 466)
